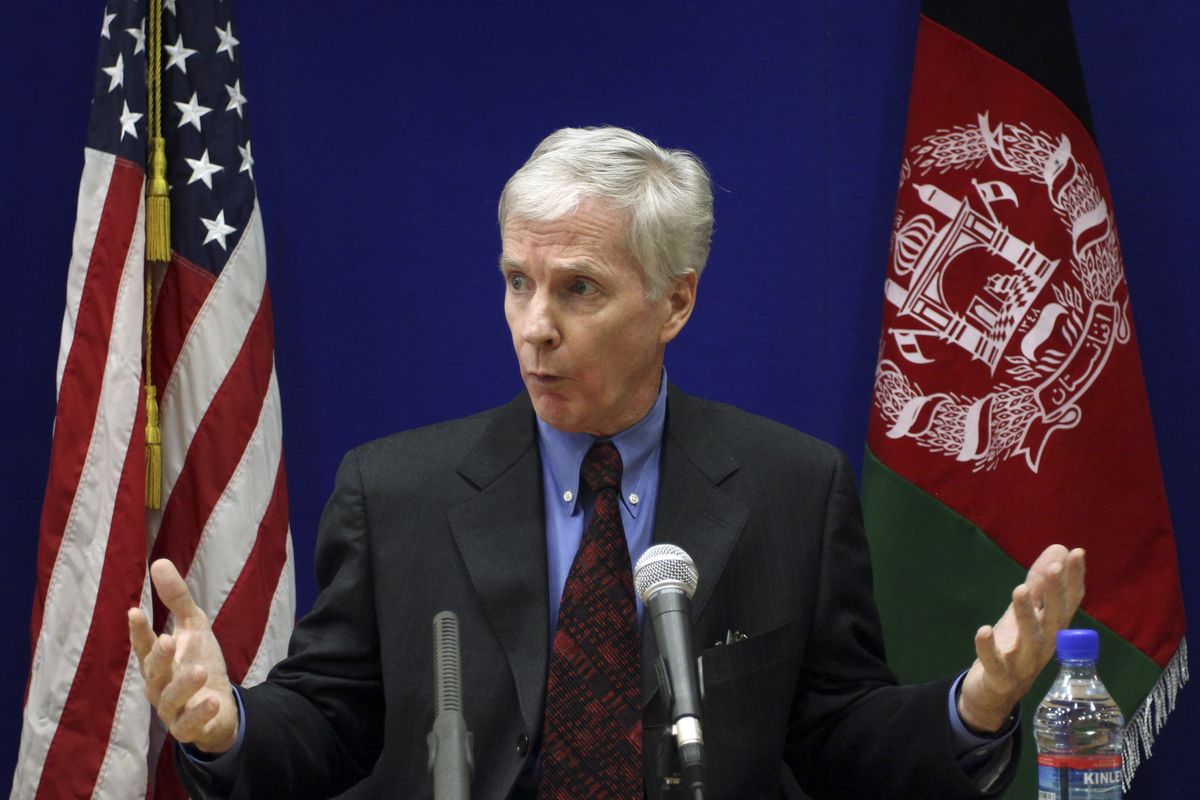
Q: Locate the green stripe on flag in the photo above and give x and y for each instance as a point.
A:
(938, 578)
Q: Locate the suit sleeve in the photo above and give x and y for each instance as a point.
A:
(315, 727)
(853, 731)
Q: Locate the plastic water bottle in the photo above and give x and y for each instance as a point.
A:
(1078, 727)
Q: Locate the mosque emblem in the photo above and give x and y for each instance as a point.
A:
(992, 340)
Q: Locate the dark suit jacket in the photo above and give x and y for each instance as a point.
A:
(450, 517)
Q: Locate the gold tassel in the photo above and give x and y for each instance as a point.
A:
(158, 240)
(153, 452)
(158, 204)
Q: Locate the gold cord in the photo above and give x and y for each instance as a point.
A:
(158, 240)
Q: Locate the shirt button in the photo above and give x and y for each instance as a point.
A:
(633, 498)
(522, 744)
(567, 495)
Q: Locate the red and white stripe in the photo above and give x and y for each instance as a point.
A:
(224, 517)
(88, 730)
(85, 719)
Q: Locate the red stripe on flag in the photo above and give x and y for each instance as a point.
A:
(167, 785)
(83, 373)
(81, 736)
(243, 616)
(217, 447)
(242, 620)
(184, 289)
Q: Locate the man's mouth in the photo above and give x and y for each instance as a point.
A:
(543, 378)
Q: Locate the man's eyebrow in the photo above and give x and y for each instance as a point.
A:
(581, 267)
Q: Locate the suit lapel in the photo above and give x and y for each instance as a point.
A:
(693, 512)
(501, 535)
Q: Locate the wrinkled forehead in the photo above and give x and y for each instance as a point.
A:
(592, 223)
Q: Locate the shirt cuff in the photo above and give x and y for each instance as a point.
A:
(221, 767)
(983, 758)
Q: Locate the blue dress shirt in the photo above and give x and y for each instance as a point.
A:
(567, 516)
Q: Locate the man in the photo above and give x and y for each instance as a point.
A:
(604, 237)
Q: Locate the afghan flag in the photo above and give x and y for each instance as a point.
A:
(1009, 407)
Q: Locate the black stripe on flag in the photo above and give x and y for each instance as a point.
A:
(1035, 36)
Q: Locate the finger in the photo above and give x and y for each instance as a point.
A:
(1068, 591)
(1026, 616)
(182, 688)
(141, 635)
(173, 591)
(1040, 585)
(159, 666)
(1052, 554)
(989, 655)
(1063, 605)
(191, 723)
(1074, 574)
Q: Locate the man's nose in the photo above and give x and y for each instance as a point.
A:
(540, 326)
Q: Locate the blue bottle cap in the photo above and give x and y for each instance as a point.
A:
(1078, 644)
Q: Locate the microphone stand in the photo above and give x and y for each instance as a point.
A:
(681, 770)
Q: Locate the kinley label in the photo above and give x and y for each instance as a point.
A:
(1079, 777)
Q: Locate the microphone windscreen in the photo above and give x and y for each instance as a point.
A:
(447, 669)
(664, 566)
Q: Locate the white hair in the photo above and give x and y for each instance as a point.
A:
(666, 194)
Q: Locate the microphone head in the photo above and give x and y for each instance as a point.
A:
(447, 666)
(665, 566)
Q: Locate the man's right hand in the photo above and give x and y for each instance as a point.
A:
(186, 680)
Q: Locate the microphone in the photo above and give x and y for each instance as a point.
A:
(666, 579)
(450, 761)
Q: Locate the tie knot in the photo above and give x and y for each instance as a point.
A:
(602, 467)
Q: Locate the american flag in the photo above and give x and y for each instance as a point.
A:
(88, 730)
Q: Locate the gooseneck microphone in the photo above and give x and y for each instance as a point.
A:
(666, 579)
(450, 761)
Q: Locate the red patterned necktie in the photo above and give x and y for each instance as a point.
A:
(592, 728)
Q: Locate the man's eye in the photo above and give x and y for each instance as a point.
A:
(581, 287)
(516, 282)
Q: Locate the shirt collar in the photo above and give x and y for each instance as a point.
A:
(637, 444)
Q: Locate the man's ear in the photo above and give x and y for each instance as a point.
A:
(680, 298)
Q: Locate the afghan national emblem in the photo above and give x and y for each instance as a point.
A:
(996, 339)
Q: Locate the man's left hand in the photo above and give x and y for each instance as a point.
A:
(1012, 653)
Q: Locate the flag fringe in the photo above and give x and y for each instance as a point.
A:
(1145, 723)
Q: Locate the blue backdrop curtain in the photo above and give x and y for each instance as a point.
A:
(382, 133)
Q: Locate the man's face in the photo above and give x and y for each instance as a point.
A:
(588, 342)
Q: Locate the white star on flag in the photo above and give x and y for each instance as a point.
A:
(139, 37)
(192, 112)
(178, 55)
(169, 5)
(128, 120)
(108, 18)
(247, 159)
(202, 169)
(116, 73)
(217, 229)
(236, 98)
(227, 41)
